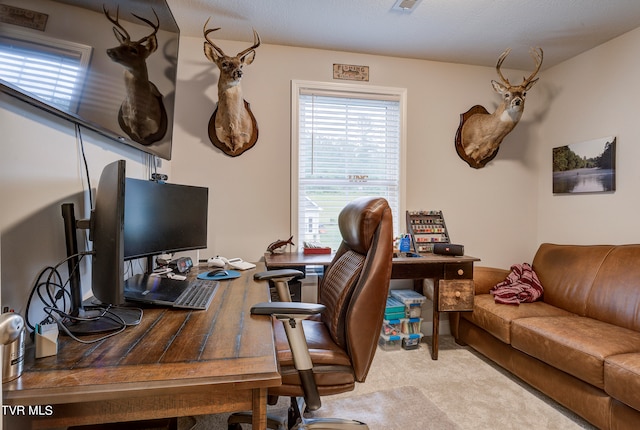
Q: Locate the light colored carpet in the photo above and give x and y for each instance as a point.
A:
(393, 409)
(462, 388)
(400, 408)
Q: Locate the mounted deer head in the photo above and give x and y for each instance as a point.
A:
(142, 114)
(480, 133)
(232, 127)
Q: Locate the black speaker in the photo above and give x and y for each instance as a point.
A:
(448, 249)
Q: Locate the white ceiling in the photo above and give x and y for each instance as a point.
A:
(458, 31)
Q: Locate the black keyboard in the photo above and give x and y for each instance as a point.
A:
(198, 295)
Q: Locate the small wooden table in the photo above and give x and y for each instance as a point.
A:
(174, 363)
(427, 266)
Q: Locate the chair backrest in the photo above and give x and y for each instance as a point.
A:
(356, 283)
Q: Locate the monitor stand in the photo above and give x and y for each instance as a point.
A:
(110, 321)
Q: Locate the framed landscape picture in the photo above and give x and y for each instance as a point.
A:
(585, 167)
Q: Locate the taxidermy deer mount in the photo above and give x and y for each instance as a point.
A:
(142, 114)
(232, 127)
(480, 133)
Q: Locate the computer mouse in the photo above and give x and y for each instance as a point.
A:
(215, 272)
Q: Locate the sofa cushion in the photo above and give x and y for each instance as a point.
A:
(622, 378)
(614, 296)
(496, 318)
(576, 345)
(567, 272)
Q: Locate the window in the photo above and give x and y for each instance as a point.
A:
(50, 69)
(347, 142)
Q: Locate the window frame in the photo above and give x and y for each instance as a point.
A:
(344, 89)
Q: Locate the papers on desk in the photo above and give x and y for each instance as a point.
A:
(240, 264)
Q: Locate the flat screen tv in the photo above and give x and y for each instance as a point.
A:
(74, 58)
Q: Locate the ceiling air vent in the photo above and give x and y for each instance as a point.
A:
(406, 5)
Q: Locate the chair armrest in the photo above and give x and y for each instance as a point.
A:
(280, 279)
(287, 308)
(276, 274)
(291, 314)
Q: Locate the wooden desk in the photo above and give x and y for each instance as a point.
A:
(174, 363)
(427, 266)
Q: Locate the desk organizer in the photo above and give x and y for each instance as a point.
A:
(426, 228)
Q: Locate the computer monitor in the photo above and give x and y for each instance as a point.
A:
(107, 233)
(132, 218)
(106, 228)
(163, 217)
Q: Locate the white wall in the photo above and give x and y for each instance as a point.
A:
(484, 209)
(593, 95)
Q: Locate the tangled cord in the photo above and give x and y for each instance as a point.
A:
(56, 298)
(105, 313)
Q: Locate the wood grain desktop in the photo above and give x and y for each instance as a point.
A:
(174, 363)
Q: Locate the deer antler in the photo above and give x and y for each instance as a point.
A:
(152, 25)
(537, 56)
(120, 29)
(256, 43)
(123, 32)
(209, 41)
(499, 64)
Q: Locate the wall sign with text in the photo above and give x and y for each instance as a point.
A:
(350, 72)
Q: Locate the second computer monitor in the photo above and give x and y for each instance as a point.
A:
(163, 218)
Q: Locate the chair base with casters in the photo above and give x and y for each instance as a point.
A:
(326, 348)
(295, 416)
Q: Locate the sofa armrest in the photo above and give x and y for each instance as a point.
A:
(486, 278)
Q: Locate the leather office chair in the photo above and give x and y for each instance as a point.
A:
(325, 348)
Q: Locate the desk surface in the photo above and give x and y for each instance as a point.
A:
(172, 364)
(299, 258)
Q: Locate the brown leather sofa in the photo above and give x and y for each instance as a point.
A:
(580, 344)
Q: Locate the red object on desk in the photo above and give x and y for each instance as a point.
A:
(308, 251)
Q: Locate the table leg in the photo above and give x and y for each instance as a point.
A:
(436, 319)
(259, 416)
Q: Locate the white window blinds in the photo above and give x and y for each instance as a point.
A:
(348, 146)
